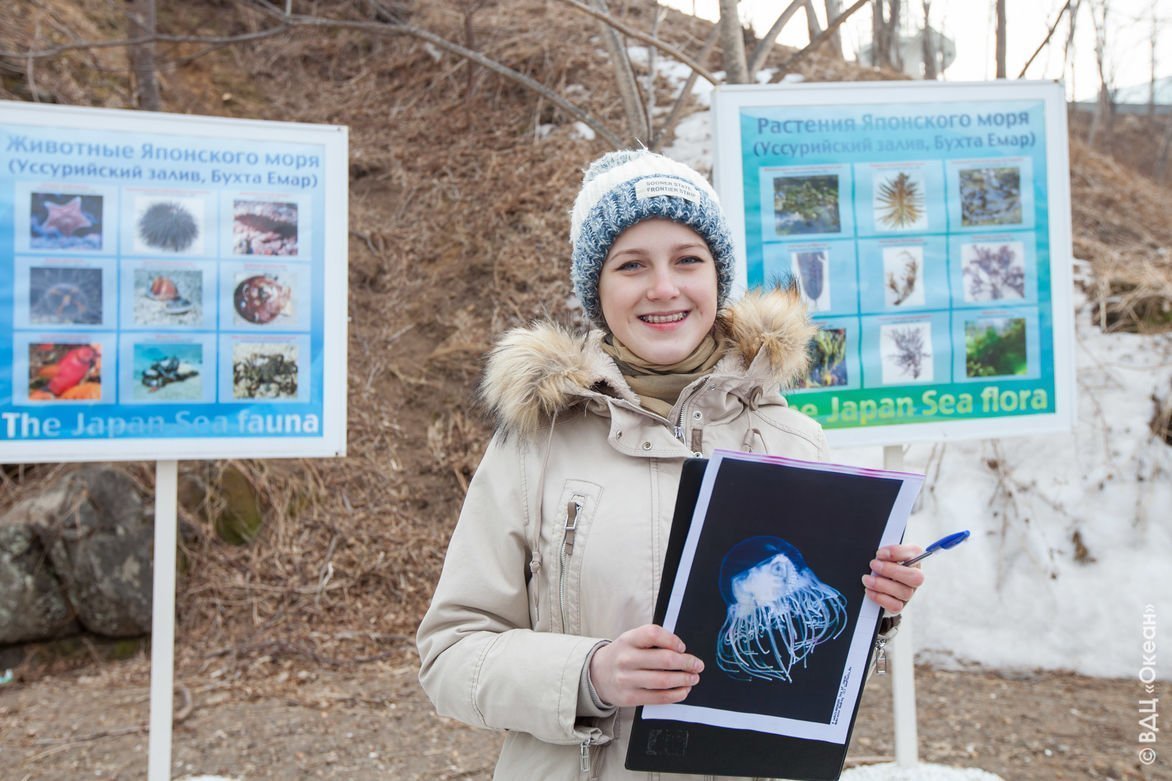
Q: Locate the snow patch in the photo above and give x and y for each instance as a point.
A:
(892, 772)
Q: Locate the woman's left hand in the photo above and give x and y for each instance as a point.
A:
(890, 584)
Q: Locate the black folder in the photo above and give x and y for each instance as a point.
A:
(667, 746)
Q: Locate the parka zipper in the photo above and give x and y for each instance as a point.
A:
(584, 760)
(573, 509)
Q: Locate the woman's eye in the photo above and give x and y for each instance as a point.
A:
(628, 266)
(691, 259)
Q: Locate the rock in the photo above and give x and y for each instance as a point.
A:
(33, 605)
(101, 547)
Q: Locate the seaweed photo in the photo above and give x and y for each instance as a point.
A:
(63, 221)
(64, 372)
(167, 372)
(993, 272)
(995, 347)
(811, 270)
(903, 276)
(827, 359)
(806, 204)
(60, 295)
(264, 370)
(169, 224)
(899, 202)
(990, 196)
(264, 228)
(168, 297)
(778, 612)
(906, 352)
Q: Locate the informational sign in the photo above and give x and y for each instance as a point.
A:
(928, 229)
(169, 286)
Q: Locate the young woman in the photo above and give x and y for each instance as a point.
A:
(540, 623)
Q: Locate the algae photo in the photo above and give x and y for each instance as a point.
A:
(906, 351)
(990, 196)
(827, 359)
(899, 202)
(811, 271)
(995, 347)
(903, 271)
(806, 204)
(993, 272)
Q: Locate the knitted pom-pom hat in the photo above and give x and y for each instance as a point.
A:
(623, 188)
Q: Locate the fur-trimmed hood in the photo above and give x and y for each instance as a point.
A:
(535, 372)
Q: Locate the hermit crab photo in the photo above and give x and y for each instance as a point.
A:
(165, 296)
(264, 370)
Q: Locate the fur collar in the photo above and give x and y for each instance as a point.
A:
(536, 371)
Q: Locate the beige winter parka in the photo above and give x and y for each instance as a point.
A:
(560, 543)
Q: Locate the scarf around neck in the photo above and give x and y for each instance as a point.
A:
(659, 386)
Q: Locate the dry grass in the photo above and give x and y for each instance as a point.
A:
(458, 231)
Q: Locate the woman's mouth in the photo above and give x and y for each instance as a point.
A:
(674, 317)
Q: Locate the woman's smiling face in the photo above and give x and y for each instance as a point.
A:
(658, 290)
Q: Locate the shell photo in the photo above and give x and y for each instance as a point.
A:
(990, 196)
(167, 372)
(164, 223)
(168, 297)
(61, 295)
(995, 347)
(906, 352)
(899, 202)
(64, 372)
(264, 228)
(812, 271)
(903, 276)
(993, 271)
(260, 299)
(264, 370)
(64, 221)
(806, 204)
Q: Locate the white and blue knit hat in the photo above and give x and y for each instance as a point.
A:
(623, 188)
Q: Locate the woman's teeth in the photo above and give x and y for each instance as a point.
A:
(660, 319)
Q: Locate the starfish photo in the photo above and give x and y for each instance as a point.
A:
(67, 218)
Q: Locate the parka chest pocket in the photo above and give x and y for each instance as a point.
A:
(574, 515)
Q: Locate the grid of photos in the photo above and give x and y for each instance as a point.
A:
(158, 277)
(919, 250)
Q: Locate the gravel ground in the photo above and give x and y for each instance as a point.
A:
(373, 722)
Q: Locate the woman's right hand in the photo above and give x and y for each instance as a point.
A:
(644, 666)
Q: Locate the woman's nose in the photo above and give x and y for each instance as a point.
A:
(663, 286)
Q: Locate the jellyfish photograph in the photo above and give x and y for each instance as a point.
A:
(778, 611)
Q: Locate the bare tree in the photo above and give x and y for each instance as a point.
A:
(142, 22)
(1046, 40)
(885, 34)
(732, 43)
(833, 9)
(812, 26)
(1152, 39)
(1100, 10)
(1000, 39)
(928, 44)
(624, 78)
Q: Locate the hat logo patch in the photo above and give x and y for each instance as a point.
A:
(665, 185)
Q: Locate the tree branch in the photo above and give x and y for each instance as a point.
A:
(624, 76)
(381, 28)
(674, 117)
(830, 28)
(631, 32)
(224, 40)
(1045, 41)
(761, 50)
(732, 43)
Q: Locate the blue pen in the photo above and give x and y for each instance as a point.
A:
(944, 543)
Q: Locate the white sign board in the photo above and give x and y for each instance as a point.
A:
(171, 287)
(928, 228)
